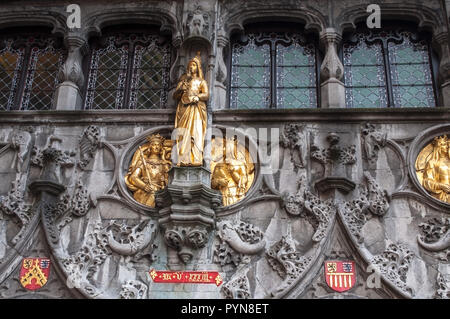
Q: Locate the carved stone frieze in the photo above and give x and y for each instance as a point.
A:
(436, 236)
(89, 142)
(294, 138)
(237, 288)
(394, 264)
(287, 262)
(133, 289)
(344, 155)
(237, 242)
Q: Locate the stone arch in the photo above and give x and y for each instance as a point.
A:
(52, 19)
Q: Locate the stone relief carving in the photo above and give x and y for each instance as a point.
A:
(287, 262)
(77, 205)
(14, 204)
(133, 289)
(372, 141)
(83, 265)
(197, 23)
(436, 236)
(294, 138)
(306, 204)
(237, 242)
(237, 288)
(89, 142)
(443, 286)
(132, 240)
(21, 141)
(394, 264)
(372, 201)
(185, 239)
(343, 155)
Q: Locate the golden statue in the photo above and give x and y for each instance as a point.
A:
(232, 170)
(149, 169)
(191, 93)
(433, 168)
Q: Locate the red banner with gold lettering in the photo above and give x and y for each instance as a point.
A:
(190, 277)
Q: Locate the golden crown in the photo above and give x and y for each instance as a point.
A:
(155, 137)
(441, 139)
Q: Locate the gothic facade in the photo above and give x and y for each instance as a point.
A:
(342, 122)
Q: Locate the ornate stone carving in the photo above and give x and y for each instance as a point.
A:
(71, 70)
(372, 200)
(83, 265)
(14, 204)
(443, 286)
(132, 241)
(294, 139)
(332, 67)
(436, 236)
(372, 141)
(394, 263)
(237, 288)
(185, 239)
(287, 262)
(89, 142)
(237, 242)
(197, 23)
(21, 141)
(52, 159)
(133, 289)
(306, 204)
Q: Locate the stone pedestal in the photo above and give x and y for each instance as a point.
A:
(332, 94)
(187, 210)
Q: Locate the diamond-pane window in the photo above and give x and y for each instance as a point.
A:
(388, 69)
(273, 70)
(131, 72)
(29, 66)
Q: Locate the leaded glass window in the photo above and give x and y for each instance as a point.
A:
(388, 69)
(29, 66)
(273, 70)
(129, 72)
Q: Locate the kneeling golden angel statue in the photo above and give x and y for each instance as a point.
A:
(149, 169)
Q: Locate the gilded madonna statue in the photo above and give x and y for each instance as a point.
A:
(192, 94)
(232, 170)
(149, 169)
(433, 168)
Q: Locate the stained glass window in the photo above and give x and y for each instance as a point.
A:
(387, 69)
(273, 70)
(129, 72)
(28, 72)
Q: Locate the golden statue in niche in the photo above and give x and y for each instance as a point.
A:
(190, 121)
(149, 169)
(232, 170)
(433, 168)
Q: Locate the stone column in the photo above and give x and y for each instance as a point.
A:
(441, 42)
(68, 93)
(331, 72)
(220, 87)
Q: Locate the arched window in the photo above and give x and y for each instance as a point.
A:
(29, 65)
(273, 70)
(128, 71)
(388, 68)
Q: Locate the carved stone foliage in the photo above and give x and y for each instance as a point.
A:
(331, 66)
(77, 205)
(14, 204)
(197, 23)
(443, 286)
(135, 241)
(237, 288)
(335, 153)
(83, 265)
(185, 238)
(71, 70)
(40, 156)
(436, 236)
(133, 289)
(372, 141)
(89, 142)
(372, 201)
(394, 264)
(294, 138)
(237, 242)
(306, 204)
(287, 262)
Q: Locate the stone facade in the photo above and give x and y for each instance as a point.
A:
(339, 185)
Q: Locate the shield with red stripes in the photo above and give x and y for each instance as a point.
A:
(340, 275)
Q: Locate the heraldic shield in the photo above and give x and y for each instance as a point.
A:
(34, 272)
(340, 275)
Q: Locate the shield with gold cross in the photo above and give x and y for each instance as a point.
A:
(340, 275)
(34, 272)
